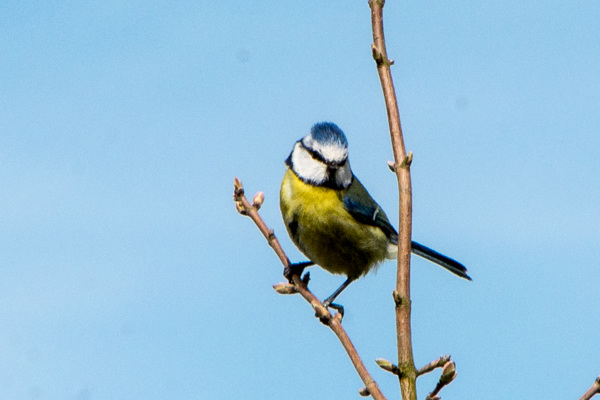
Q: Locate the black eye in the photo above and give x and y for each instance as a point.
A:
(336, 164)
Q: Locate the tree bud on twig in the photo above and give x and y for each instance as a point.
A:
(397, 298)
(238, 189)
(407, 160)
(285, 288)
(364, 392)
(258, 200)
(240, 208)
(439, 363)
(448, 373)
(387, 365)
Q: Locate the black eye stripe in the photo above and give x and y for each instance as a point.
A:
(319, 157)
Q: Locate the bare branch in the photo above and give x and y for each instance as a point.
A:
(300, 285)
(401, 162)
(448, 375)
(593, 390)
(439, 363)
(387, 366)
(285, 288)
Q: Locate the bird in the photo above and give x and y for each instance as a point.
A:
(331, 217)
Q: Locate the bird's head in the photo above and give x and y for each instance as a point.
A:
(321, 157)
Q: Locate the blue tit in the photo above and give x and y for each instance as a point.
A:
(332, 218)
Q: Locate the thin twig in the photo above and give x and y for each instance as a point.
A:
(402, 293)
(593, 390)
(332, 321)
(439, 363)
(448, 375)
(388, 366)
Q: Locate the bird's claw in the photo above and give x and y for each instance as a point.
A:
(295, 269)
(337, 307)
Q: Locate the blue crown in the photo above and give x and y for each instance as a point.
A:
(328, 133)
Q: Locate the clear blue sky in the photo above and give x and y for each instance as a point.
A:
(125, 272)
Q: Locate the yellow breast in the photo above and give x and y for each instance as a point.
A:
(325, 232)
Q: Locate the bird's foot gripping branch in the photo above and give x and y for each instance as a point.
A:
(298, 284)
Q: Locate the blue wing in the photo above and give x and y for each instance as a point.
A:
(359, 203)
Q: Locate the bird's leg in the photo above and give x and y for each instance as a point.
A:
(295, 269)
(328, 301)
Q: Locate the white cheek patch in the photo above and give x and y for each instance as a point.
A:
(307, 167)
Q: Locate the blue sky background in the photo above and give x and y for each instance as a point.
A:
(125, 272)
